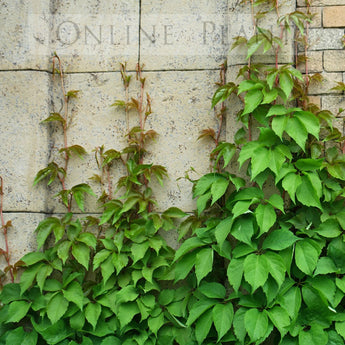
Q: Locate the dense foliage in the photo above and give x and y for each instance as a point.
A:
(261, 261)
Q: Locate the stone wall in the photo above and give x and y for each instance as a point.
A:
(182, 44)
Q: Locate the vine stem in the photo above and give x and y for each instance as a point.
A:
(65, 101)
(4, 228)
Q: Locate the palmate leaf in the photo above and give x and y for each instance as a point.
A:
(74, 149)
(225, 151)
(78, 193)
(223, 93)
(54, 117)
(306, 256)
(252, 100)
(222, 318)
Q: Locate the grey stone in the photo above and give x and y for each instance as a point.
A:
(24, 102)
(321, 39)
(184, 34)
(333, 103)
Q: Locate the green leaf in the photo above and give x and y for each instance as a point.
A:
(269, 96)
(235, 273)
(256, 270)
(225, 151)
(88, 238)
(290, 183)
(310, 122)
(188, 245)
(278, 109)
(74, 149)
(57, 307)
(10, 293)
(74, 293)
(306, 256)
(308, 192)
(174, 212)
(259, 161)
(17, 310)
(218, 188)
(222, 318)
(111, 340)
(277, 201)
(297, 131)
(155, 323)
(325, 265)
(315, 335)
(239, 325)
(279, 239)
(212, 290)
(222, 230)
(223, 93)
(203, 326)
(279, 124)
(127, 294)
(340, 328)
(63, 250)
(243, 229)
(92, 313)
(291, 301)
(308, 164)
(81, 253)
(204, 184)
(252, 100)
(203, 263)
(280, 319)
(265, 217)
(329, 229)
(334, 338)
(45, 228)
(198, 309)
(202, 202)
(126, 313)
(78, 194)
(256, 324)
(286, 82)
(276, 267)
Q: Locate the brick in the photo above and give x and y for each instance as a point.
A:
(329, 80)
(315, 100)
(302, 3)
(333, 103)
(322, 39)
(317, 16)
(314, 62)
(334, 60)
(334, 17)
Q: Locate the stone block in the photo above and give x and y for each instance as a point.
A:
(322, 39)
(21, 236)
(314, 62)
(333, 103)
(302, 3)
(184, 34)
(329, 80)
(315, 100)
(24, 102)
(24, 34)
(334, 17)
(181, 104)
(317, 16)
(334, 60)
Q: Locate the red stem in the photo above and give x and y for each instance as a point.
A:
(4, 228)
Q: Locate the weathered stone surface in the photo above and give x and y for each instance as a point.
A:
(184, 34)
(181, 106)
(24, 102)
(21, 237)
(241, 22)
(329, 80)
(322, 39)
(181, 102)
(95, 35)
(314, 62)
(334, 60)
(334, 17)
(24, 44)
(333, 103)
(321, 2)
(315, 100)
